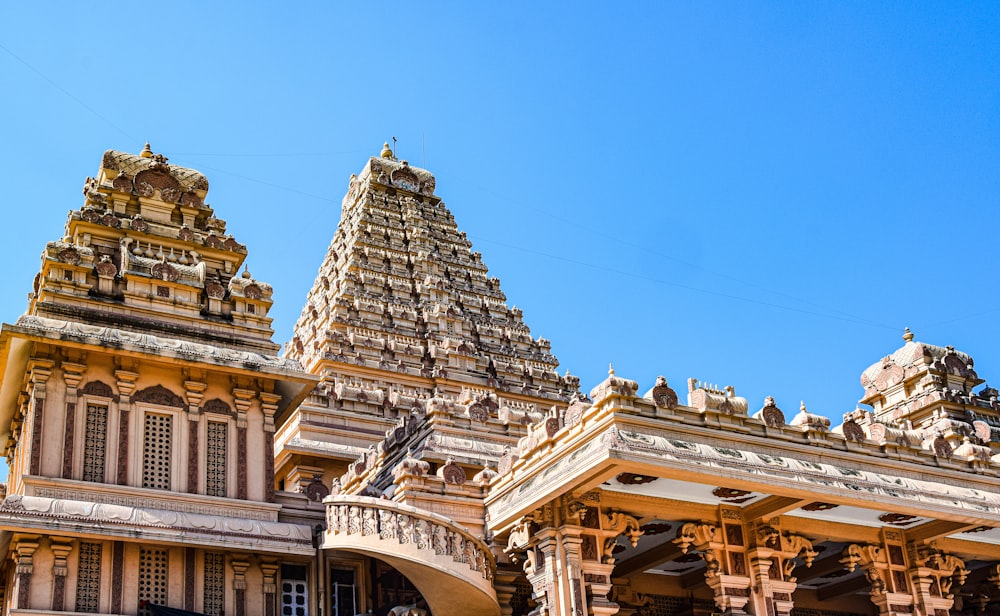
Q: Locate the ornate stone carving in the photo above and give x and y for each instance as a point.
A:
(663, 395)
(159, 394)
(770, 414)
(452, 473)
(165, 271)
(69, 255)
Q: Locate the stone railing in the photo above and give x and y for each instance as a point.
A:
(403, 530)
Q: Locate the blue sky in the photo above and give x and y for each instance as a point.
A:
(756, 194)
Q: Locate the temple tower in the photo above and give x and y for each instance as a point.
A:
(138, 399)
(427, 376)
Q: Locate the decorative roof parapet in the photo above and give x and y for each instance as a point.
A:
(704, 397)
(613, 386)
(168, 347)
(147, 172)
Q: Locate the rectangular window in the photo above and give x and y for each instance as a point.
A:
(94, 443)
(157, 436)
(342, 592)
(88, 580)
(294, 593)
(153, 567)
(215, 584)
(215, 464)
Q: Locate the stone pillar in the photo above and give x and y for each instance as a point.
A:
(269, 404)
(72, 375)
(194, 391)
(730, 588)
(269, 569)
(772, 566)
(39, 371)
(570, 570)
(189, 581)
(542, 576)
(24, 551)
(872, 561)
(935, 577)
(597, 567)
(117, 574)
(503, 584)
(61, 547)
(242, 399)
(240, 585)
(126, 385)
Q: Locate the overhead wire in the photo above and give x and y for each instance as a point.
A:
(833, 313)
(67, 93)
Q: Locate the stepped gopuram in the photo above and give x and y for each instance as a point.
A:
(427, 377)
(138, 401)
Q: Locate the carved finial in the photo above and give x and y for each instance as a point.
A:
(907, 334)
(611, 369)
(246, 272)
(802, 406)
(147, 152)
(386, 150)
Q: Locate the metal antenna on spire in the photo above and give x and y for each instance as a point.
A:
(394, 149)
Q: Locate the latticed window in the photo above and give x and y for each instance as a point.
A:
(294, 592)
(215, 583)
(153, 567)
(88, 581)
(156, 451)
(94, 442)
(215, 465)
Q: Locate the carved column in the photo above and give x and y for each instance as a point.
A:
(874, 564)
(570, 571)
(543, 577)
(39, 370)
(503, 584)
(24, 551)
(772, 565)
(194, 391)
(597, 573)
(242, 400)
(240, 585)
(270, 571)
(731, 589)
(72, 375)
(189, 582)
(935, 576)
(61, 547)
(126, 385)
(269, 404)
(117, 575)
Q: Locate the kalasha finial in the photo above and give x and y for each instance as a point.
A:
(246, 272)
(386, 150)
(147, 152)
(611, 369)
(907, 334)
(802, 405)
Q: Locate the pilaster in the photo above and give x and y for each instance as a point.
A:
(240, 585)
(126, 385)
(39, 371)
(72, 375)
(269, 570)
(61, 548)
(242, 400)
(194, 392)
(269, 405)
(24, 550)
